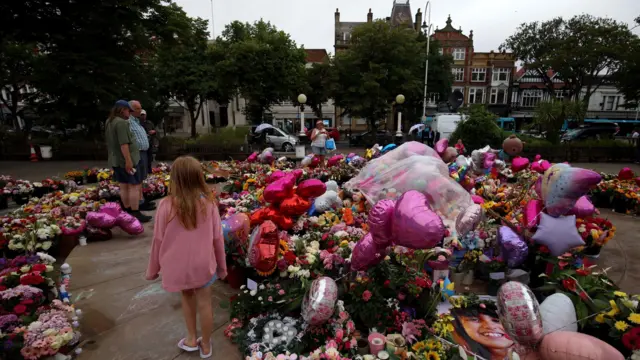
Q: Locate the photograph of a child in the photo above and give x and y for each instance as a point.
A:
(478, 330)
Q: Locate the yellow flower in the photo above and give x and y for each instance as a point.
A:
(634, 318)
(620, 294)
(433, 344)
(344, 244)
(418, 346)
(600, 318)
(614, 309)
(432, 355)
(621, 325)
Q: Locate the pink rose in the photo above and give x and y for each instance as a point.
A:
(366, 295)
(270, 298)
(281, 292)
(401, 296)
(340, 334)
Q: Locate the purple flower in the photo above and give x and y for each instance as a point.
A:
(6, 320)
(8, 345)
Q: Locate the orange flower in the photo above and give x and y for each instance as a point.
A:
(347, 216)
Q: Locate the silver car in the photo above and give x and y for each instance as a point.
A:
(281, 140)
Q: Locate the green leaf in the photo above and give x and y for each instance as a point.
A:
(581, 313)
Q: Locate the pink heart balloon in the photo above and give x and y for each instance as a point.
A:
(415, 225)
(276, 175)
(100, 220)
(111, 208)
(441, 146)
(519, 164)
(532, 213)
(468, 219)
(253, 157)
(366, 254)
(334, 160)
(129, 224)
(311, 188)
(279, 189)
(380, 222)
(583, 208)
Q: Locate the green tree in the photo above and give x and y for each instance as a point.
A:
(550, 116)
(628, 78)
(185, 68)
(314, 83)
(17, 61)
(585, 51)
(382, 62)
(267, 64)
(479, 129)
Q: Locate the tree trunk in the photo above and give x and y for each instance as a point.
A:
(193, 119)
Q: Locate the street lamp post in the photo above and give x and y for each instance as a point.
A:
(426, 26)
(302, 99)
(399, 102)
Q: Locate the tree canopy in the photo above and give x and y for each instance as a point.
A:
(382, 62)
(585, 51)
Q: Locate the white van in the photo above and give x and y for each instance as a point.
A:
(446, 123)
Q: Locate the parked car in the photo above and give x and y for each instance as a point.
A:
(589, 133)
(369, 138)
(276, 138)
(333, 133)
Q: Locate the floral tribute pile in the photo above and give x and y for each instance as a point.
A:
(380, 264)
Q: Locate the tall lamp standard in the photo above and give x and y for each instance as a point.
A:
(302, 99)
(399, 102)
(426, 26)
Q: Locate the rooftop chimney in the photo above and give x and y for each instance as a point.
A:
(337, 16)
(370, 16)
(418, 24)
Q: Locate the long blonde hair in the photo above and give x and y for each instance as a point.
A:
(188, 192)
(115, 112)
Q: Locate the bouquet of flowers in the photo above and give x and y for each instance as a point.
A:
(72, 225)
(596, 232)
(108, 190)
(104, 174)
(620, 321)
(49, 333)
(39, 236)
(75, 175)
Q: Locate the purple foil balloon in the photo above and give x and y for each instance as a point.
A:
(415, 225)
(513, 248)
(111, 208)
(129, 224)
(100, 220)
(583, 208)
(381, 221)
(366, 254)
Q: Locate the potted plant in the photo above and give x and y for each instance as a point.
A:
(468, 265)
(595, 232)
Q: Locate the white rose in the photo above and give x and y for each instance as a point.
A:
(261, 287)
(242, 287)
(253, 293)
(315, 245)
(259, 298)
(46, 245)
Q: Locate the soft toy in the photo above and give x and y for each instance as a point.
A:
(332, 186)
(511, 146)
(482, 160)
(359, 202)
(329, 200)
(446, 152)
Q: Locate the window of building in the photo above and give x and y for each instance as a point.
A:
(610, 103)
(458, 74)
(531, 97)
(458, 54)
(498, 96)
(476, 95)
(346, 120)
(501, 74)
(478, 74)
(559, 94)
(361, 121)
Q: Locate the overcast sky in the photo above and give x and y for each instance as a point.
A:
(311, 22)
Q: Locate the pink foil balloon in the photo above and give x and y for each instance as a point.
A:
(477, 199)
(351, 155)
(111, 208)
(253, 157)
(311, 188)
(381, 221)
(519, 164)
(468, 219)
(626, 174)
(267, 157)
(519, 313)
(297, 173)
(566, 345)
(538, 187)
(320, 301)
(235, 229)
(275, 176)
(562, 185)
(583, 208)
(415, 225)
(334, 160)
(100, 220)
(532, 212)
(441, 146)
(366, 254)
(129, 224)
(279, 189)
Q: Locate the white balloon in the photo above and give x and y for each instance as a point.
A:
(558, 313)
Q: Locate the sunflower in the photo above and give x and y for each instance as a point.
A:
(621, 326)
(418, 346)
(634, 318)
(432, 355)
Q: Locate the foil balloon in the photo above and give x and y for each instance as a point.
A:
(532, 212)
(583, 208)
(625, 174)
(129, 224)
(468, 219)
(111, 208)
(519, 164)
(295, 206)
(253, 157)
(562, 185)
(98, 234)
(283, 222)
(267, 157)
(558, 313)
(537, 187)
(477, 199)
(558, 234)
(235, 229)
(513, 248)
(276, 175)
(280, 189)
(258, 216)
(334, 160)
(311, 188)
(442, 145)
(567, 345)
(388, 148)
(307, 160)
(366, 254)
(320, 301)
(263, 254)
(351, 155)
(315, 161)
(380, 222)
(100, 220)
(415, 225)
(297, 173)
(519, 314)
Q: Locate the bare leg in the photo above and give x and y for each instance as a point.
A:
(205, 312)
(134, 193)
(322, 164)
(189, 313)
(124, 195)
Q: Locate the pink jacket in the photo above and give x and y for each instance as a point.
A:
(188, 259)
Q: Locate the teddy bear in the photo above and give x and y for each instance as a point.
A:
(446, 152)
(511, 147)
(327, 201)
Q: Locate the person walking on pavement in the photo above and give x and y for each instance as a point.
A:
(151, 136)
(142, 140)
(124, 158)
